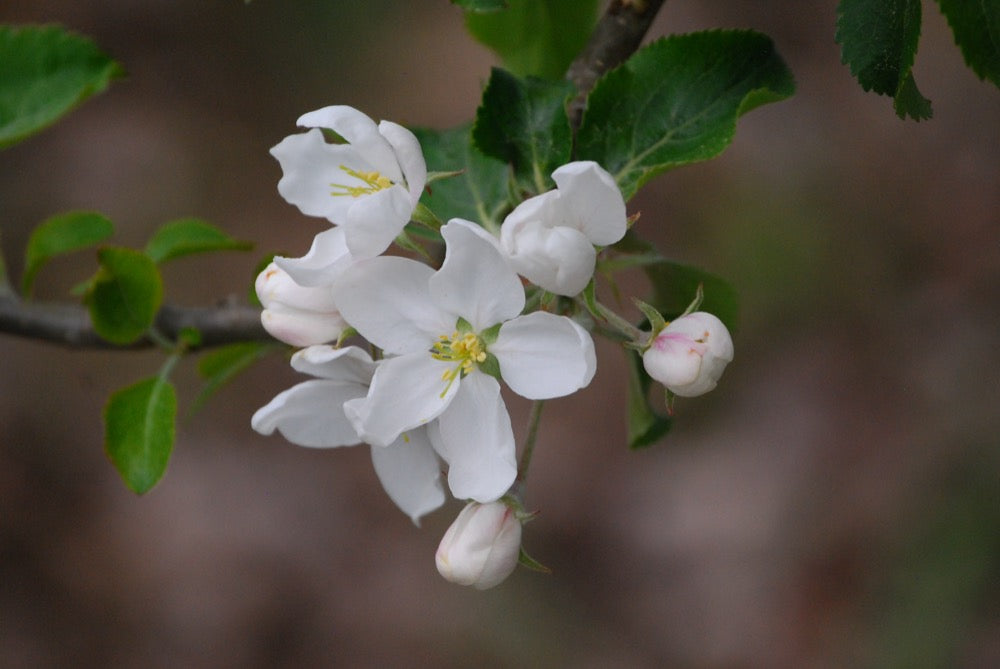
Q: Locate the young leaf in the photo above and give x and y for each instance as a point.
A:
(190, 235)
(533, 37)
(523, 122)
(646, 426)
(139, 431)
(125, 295)
(222, 365)
(879, 41)
(61, 234)
(479, 194)
(976, 26)
(674, 285)
(676, 101)
(46, 72)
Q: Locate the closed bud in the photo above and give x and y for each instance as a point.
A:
(294, 314)
(482, 546)
(689, 355)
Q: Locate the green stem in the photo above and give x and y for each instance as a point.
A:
(529, 441)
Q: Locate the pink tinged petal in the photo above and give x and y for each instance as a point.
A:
(362, 134)
(674, 359)
(310, 414)
(375, 220)
(274, 286)
(309, 166)
(406, 392)
(561, 260)
(475, 281)
(542, 355)
(475, 438)
(593, 200)
(409, 155)
(410, 472)
(327, 258)
(387, 300)
(350, 365)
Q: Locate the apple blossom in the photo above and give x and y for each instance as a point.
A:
(689, 355)
(550, 238)
(369, 185)
(481, 547)
(294, 314)
(444, 333)
(311, 414)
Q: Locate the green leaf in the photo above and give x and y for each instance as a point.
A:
(46, 72)
(879, 41)
(674, 285)
(676, 101)
(523, 122)
(481, 5)
(976, 26)
(61, 234)
(533, 37)
(222, 365)
(125, 295)
(190, 235)
(479, 194)
(139, 431)
(646, 426)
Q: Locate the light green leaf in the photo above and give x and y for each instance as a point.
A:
(676, 101)
(222, 365)
(190, 235)
(125, 295)
(61, 234)
(139, 431)
(976, 26)
(646, 425)
(523, 122)
(879, 41)
(479, 193)
(45, 72)
(533, 37)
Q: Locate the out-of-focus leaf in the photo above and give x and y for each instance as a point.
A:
(223, 364)
(139, 431)
(125, 295)
(674, 286)
(190, 235)
(646, 425)
(44, 73)
(61, 234)
(481, 5)
(976, 26)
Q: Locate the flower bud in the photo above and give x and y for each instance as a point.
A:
(295, 314)
(688, 355)
(481, 547)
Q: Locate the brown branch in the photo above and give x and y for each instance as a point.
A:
(616, 37)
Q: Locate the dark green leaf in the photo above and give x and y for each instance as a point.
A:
(480, 5)
(646, 425)
(976, 26)
(479, 194)
(61, 234)
(534, 37)
(523, 122)
(676, 101)
(222, 365)
(190, 235)
(45, 72)
(125, 295)
(879, 41)
(674, 286)
(139, 431)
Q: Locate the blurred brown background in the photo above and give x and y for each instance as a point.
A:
(834, 503)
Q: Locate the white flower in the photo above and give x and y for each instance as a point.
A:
(439, 329)
(688, 355)
(550, 238)
(481, 547)
(295, 314)
(311, 414)
(370, 185)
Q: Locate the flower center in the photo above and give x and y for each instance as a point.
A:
(373, 182)
(465, 349)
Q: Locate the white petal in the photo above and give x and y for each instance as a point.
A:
(410, 473)
(361, 132)
(346, 365)
(474, 436)
(375, 220)
(300, 327)
(409, 155)
(327, 258)
(276, 286)
(406, 392)
(561, 260)
(311, 414)
(542, 355)
(475, 281)
(309, 168)
(594, 201)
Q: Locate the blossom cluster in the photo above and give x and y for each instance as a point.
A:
(425, 394)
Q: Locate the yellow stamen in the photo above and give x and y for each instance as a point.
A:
(466, 350)
(373, 181)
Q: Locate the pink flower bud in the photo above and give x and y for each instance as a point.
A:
(295, 314)
(688, 355)
(481, 547)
